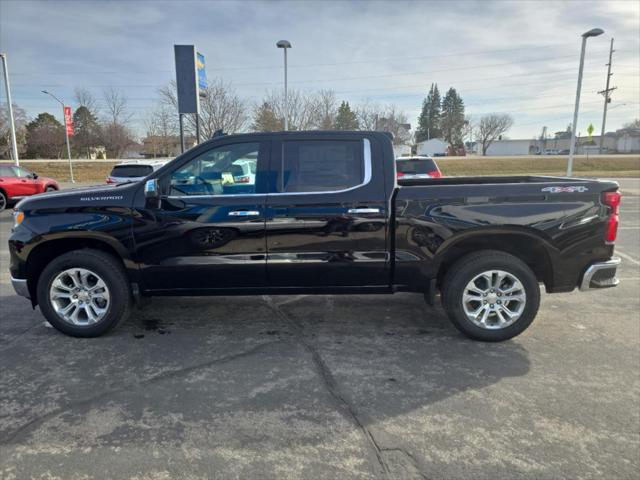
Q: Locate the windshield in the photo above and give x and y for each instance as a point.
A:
(416, 166)
(131, 171)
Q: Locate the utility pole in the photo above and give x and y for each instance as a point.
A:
(607, 98)
(14, 143)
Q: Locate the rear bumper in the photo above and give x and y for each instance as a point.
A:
(20, 286)
(600, 275)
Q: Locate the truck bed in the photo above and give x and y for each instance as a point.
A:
(495, 179)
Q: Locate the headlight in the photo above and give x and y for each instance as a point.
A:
(18, 217)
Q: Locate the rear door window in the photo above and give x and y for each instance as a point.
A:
(320, 166)
(131, 171)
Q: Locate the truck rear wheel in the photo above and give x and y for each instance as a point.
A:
(491, 295)
(84, 293)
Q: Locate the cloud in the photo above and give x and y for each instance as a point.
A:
(514, 56)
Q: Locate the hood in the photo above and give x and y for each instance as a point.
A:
(97, 195)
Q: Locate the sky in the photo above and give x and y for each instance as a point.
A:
(508, 56)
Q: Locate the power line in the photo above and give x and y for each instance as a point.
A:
(309, 65)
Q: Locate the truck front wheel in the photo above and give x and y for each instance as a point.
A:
(490, 295)
(84, 293)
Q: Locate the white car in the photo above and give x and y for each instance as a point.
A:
(417, 166)
(133, 171)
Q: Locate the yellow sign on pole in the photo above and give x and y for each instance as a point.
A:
(590, 130)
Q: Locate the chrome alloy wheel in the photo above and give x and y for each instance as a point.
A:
(79, 296)
(494, 299)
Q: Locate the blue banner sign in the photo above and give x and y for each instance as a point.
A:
(202, 74)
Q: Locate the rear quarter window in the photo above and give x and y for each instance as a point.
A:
(131, 171)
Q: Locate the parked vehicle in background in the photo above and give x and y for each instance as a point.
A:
(133, 171)
(417, 166)
(325, 214)
(550, 151)
(18, 182)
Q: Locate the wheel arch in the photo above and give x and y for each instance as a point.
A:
(529, 246)
(47, 250)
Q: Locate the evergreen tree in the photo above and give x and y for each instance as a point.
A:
(45, 137)
(452, 117)
(346, 118)
(266, 120)
(86, 132)
(429, 119)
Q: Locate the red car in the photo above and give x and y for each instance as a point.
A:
(18, 182)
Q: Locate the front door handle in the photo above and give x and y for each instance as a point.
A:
(364, 210)
(244, 213)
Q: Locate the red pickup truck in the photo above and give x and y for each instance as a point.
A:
(18, 182)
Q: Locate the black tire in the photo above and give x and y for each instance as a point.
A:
(50, 189)
(466, 269)
(111, 271)
(3, 201)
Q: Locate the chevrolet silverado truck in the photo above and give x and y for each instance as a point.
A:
(322, 213)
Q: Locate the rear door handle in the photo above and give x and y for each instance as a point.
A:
(244, 213)
(364, 210)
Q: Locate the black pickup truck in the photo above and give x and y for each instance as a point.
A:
(313, 212)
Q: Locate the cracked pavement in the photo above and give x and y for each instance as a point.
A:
(319, 387)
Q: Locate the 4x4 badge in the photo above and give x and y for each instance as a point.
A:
(570, 189)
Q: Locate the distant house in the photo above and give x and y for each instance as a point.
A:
(628, 140)
(433, 147)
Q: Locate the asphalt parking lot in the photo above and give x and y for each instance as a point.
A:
(326, 387)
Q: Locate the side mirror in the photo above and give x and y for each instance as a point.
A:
(34, 175)
(152, 193)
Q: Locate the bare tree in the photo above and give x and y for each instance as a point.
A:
(301, 109)
(368, 114)
(20, 120)
(395, 122)
(491, 127)
(116, 135)
(326, 109)
(84, 98)
(116, 106)
(220, 109)
(161, 130)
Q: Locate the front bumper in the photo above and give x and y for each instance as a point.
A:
(600, 275)
(20, 286)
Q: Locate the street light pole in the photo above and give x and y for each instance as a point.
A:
(66, 134)
(14, 143)
(284, 44)
(594, 32)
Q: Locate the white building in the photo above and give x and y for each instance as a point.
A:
(431, 147)
(510, 147)
(628, 140)
(400, 150)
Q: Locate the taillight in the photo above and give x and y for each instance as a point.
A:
(109, 180)
(612, 200)
(399, 174)
(435, 174)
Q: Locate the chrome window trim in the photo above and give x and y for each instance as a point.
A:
(366, 180)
